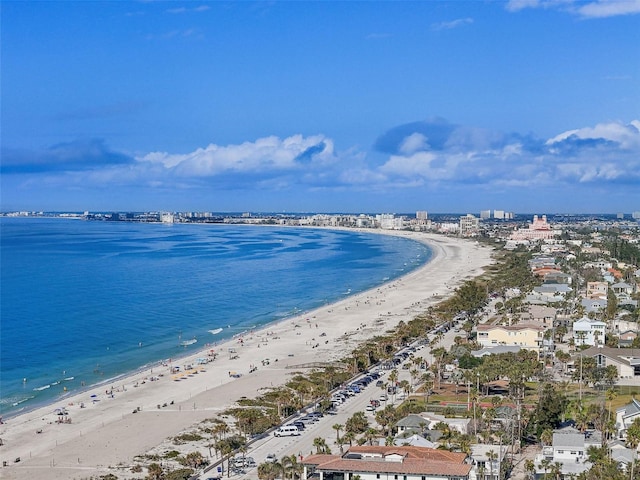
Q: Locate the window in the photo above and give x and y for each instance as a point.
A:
(560, 451)
(574, 453)
(378, 475)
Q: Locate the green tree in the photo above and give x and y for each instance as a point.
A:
(155, 472)
(633, 434)
(549, 409)
(338, 427)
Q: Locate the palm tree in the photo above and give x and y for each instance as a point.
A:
(337, 427)
(290, 467)
(546, 437)
(611, 395)
(195, 459)
(269, 471)
(155, 472)
(427, 385)
(545, 465)
(492, 457)
(349, 437)
(530, 468)
(370, 434)
(321, 445)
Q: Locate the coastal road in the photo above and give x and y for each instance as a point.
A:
(303, 444)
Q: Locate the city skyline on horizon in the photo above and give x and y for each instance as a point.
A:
(321, 107)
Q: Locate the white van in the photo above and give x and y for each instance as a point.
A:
(287, 431)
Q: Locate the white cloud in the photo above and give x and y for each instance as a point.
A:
(607, 152)
(263, 155)
(609, 8)
(459, 22)
(413, 143)
(584, 9)
(627, 136)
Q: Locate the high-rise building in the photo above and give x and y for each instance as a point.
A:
(468, 224)
(421, 216)
(620, 216)
(485, 214)
(498, 214)
(636, 215)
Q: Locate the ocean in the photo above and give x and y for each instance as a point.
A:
(86, 302)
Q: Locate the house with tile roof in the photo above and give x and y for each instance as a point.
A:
(389, 462)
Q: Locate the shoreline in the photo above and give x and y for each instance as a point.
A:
(96, 437)
(213, 341)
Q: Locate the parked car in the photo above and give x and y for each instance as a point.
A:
(287, 431)
(271, 458)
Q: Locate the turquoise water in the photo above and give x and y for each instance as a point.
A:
(84, 302)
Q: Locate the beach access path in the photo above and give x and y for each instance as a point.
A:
(105, 435)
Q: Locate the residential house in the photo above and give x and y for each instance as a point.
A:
(496, 350)
(414, 440)
(627, 337)
(525, 335)
(557, 277)
(622, 288)
(552, 289)
(569, 449)
(389, 462)
(488, 461)
(626, 360)
(544, 299)
(622, 455)
(625, 416)
(597, 290)
(595, 305)
(588, 332)
(541, 314)
(412, 423)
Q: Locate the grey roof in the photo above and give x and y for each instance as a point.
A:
(568, 440)
(631, 408)
(623, 455)
(496, 350)
(412, 420)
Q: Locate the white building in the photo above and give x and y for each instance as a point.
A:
(625, 416)
(569, 448)
(588, 332)
(469, 224)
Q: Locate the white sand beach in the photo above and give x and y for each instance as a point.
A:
(106, 432)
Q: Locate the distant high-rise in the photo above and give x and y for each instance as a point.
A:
(498, 214)
(468, 224)
(421, 216)
(636, 215)
(485, 214)
(620, 216)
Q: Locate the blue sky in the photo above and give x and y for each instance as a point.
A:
(458, 106)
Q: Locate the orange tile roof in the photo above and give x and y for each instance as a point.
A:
(416, 461)
(412, 452)
(415, 466)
